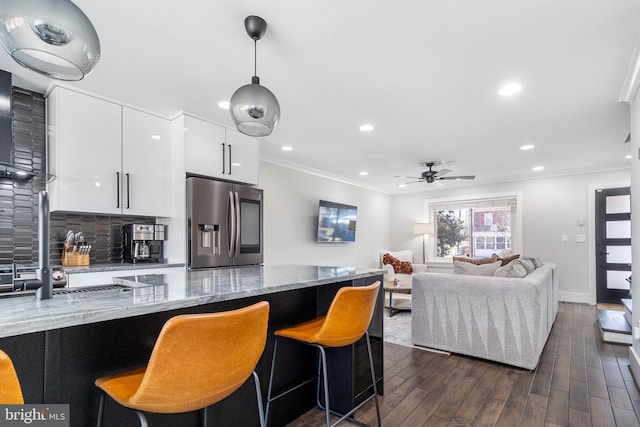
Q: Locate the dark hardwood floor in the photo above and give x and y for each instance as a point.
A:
(580, 381)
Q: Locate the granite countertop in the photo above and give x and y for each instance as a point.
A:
(97, 268)
(144, 294)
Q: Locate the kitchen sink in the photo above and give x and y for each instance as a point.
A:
(66, 291)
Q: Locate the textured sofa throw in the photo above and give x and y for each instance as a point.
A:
(403, 267)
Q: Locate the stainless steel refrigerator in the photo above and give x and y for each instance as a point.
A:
(224, 224)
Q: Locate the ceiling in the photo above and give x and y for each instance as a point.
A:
(425, 74)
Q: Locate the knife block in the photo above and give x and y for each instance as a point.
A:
(69, 259)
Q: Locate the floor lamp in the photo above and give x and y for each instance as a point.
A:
(423, 228)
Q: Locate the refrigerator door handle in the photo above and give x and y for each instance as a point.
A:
(231, 214)
(237, 237)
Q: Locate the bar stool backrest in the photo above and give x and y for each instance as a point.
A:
(199, 359)
(10, 390)
(348, 316)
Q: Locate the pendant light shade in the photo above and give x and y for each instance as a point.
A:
(51, 37)
(254, 109)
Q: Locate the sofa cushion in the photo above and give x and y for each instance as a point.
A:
(470, 269)
(398, 266)
(513, 269)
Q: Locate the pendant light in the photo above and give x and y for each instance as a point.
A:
(51, 37)
(254, 109)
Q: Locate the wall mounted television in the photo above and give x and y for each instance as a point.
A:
(336, 222)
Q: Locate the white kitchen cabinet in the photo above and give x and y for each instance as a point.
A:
(146, 164)
(214, 151)
(84, 153)
(204, 148)
(243, 161)
(106, 158)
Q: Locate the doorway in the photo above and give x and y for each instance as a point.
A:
(613, 244)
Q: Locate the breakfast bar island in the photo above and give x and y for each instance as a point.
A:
(60, 346)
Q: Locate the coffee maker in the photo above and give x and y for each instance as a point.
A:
(142, 242)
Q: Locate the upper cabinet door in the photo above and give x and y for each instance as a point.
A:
(84, 153)
(146, 164)
(243, 161)
(204, 148)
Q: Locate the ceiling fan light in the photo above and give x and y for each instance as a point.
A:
(51, 37)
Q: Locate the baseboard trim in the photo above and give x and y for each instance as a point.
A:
(577, 297)
(634, 365)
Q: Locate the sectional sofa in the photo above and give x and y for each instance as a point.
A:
(504, 319)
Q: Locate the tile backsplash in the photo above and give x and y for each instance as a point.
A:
(19, 200)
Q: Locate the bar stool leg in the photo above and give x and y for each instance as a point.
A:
(373, 377)
(142, 418)
(100, 410)
(273, 368)
(326, 385)
(259, 398)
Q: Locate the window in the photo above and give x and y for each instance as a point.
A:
(475, 228)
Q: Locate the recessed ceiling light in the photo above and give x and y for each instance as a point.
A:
(155, 137)
(286, 148)
(628, 156)
(537, 168)
(224, 105)
(527, 147)
(364, 173)
(366, 128)
(401, 185)
(510, 89)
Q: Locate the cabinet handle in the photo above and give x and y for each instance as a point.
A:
(229, 159)
(223, 158)
(118, 190)
(128, 192)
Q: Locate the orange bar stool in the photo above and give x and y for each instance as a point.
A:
(197, 360)
(10, 390)
(346, 321)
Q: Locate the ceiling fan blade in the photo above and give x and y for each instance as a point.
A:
(408, 177)
(413, 182)
(453, 178)
(443, 172)
(458, 177)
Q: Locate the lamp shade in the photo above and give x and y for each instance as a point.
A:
(52, 37)
(254, 109)
(423, 228)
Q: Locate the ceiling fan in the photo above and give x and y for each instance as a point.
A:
(431, 176)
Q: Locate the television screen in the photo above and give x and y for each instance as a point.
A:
(336, 222)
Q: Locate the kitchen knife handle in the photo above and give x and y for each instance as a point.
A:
(128, 192)
(117, 189)
(223, 158)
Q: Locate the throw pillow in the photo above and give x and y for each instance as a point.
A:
(513, 269)
(476, 261)
(527, 264)
(403, 267)
(505, 260)
(470, 269)
(537, 262)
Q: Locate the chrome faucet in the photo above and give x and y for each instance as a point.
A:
(43, 273)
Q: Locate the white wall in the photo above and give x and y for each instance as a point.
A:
(290, 219)
(551, 208)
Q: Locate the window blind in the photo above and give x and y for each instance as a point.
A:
(496, 202)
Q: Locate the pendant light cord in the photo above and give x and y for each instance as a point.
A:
(255, 57)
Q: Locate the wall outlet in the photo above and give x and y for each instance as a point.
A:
(564, 238)
(581, 238)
